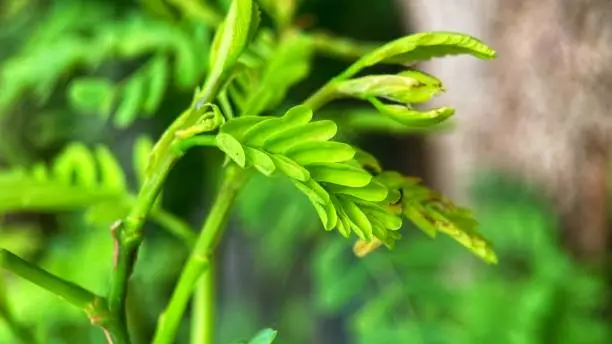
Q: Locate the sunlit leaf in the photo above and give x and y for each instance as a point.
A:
(422, 46)
(232, 35)
(411, 117)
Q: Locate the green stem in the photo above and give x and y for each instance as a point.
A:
(93, 305)
(340, 47)
(203, 306)
(323, 96)
(199, 261)
(200, 140)
(174, 225)
(128, 233)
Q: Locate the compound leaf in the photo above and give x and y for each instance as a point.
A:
(422, 46)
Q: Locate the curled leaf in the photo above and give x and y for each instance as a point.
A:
(411, 117)
(409, 87)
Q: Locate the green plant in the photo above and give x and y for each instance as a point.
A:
(247, 73)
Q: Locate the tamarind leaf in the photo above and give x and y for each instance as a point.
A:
(373, 192)
(158, 81)
(318, 131)
(92, 94)
(420, 47)
(228, 144)
(358, 217)
(313, 152)
(261, 161)
(233, 35)
(343, 193)
(133, 98)
(111, 173)
(402, 88)
(340, 173)
(411, 117)
(290, 168)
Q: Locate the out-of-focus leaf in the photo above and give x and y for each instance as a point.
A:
(232, 35)
(92, 94)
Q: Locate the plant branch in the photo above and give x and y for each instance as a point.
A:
(127, 233)
(199, 261)
(93, 305)
(322, 96)
(203, 307)
(174, 225)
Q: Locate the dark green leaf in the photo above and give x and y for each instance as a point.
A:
(265, 336)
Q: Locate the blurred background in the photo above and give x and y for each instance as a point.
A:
(529, 151)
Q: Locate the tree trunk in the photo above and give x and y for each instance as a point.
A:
(542, 109)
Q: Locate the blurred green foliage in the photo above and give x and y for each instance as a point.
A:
(428, 291)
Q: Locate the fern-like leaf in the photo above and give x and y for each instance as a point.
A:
(345, 195)
(51, 55)
(432, 213)
(78, 177)
(87, 179)
(420, 47)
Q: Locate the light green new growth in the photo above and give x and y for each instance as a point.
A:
(345, 195)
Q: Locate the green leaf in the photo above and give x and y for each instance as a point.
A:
(77, 178)
(358, 218)
(344, 195)
(92, 94)
(410, 117)
(232, 36)
(422, 46)
(432, 213)
(340, 174)
(290, 168)
(288, 64)
(262, 161)
(315, 192)
(371, 121)
(314, 152)
(157, 83)
(76, 162)
(409, 87)
(367, 161)
(132, 99)
(282, 11)
(299, 114)
(265, 336)
(238, 127)
(111, 173)
(228, 144)
(373, 192)
(318, 131)
(141, 156)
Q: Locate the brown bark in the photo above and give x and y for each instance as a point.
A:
(542, 109)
